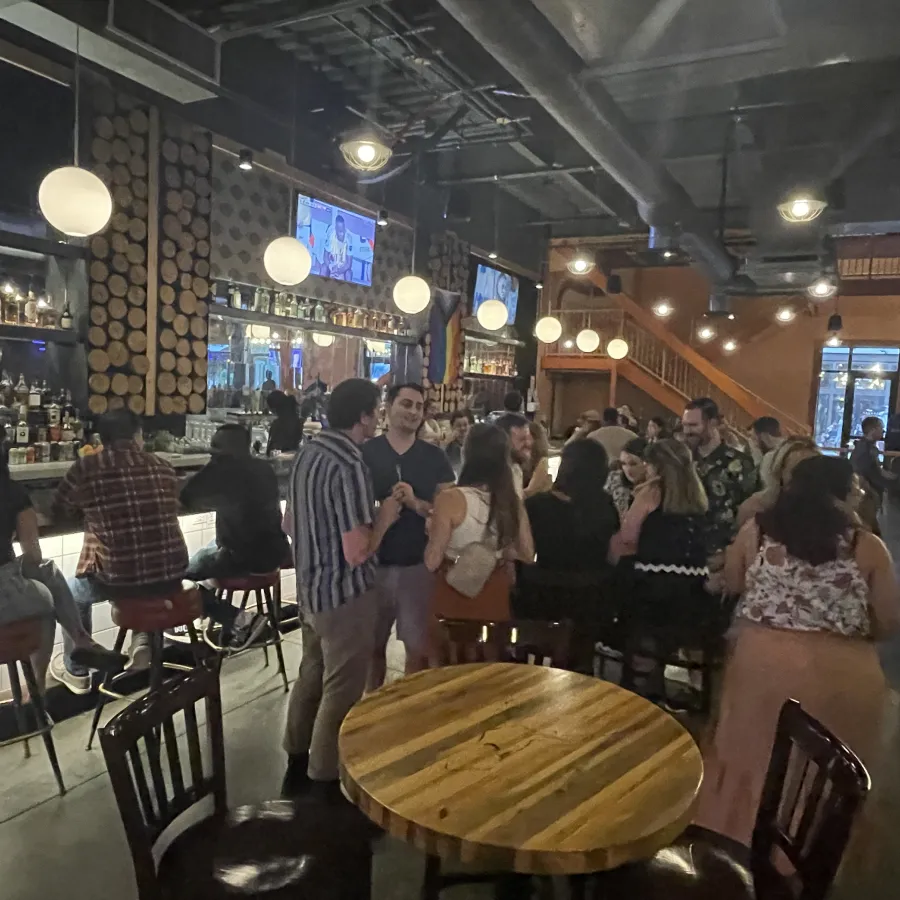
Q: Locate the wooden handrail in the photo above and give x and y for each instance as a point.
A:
(755, 405)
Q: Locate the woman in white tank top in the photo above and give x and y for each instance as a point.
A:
(484, 508)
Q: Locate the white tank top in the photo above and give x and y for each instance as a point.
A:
(473, 528)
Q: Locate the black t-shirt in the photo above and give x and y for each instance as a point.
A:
(13, 499)
(243, 493)
(561, 541)
(423, 467)
(285, 434)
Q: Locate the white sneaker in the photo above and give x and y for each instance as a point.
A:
(139, 656)
(77, 684)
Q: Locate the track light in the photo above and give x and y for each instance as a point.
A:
(539, 285)
(668, 254)
(833, 341)
(492, 254)
(382, 220)
(706, 333)
(785, 314)
(730, 345)
(580, 264)
(663, 309)
(801, 208)
(822, 288)
(245, 160)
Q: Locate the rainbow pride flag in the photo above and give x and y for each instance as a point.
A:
(445, 328)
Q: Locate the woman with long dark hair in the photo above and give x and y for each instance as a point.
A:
(632, 471)
(817, 591)
(31, 587)
(482, 509)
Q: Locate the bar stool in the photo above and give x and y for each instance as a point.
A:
(262, 587)
(151, 615)
(18, 640)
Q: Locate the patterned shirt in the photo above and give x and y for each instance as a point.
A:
(729, 477)
(129, 500)
(331, 495)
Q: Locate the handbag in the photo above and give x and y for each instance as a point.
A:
(472, 568)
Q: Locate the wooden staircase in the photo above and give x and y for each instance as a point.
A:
(658, 363)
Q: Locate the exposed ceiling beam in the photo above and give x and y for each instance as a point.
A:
(297, 18)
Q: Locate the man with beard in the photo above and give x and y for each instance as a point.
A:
(520, 444)
(728, 475)
(412, 472)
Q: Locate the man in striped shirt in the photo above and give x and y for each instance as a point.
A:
(337, 532)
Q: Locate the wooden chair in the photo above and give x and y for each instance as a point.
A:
(151, 616)
(263, 589)
(522, 641)
(814, 789)
(472, 640)
(18, 640)
(276, 850)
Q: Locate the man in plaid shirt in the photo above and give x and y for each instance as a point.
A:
(133, 544)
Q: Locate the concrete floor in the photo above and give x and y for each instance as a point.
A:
(74, 847)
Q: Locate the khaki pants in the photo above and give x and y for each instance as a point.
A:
(337, 650)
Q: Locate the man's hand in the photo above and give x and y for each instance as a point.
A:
(404, 494)
(388, 512)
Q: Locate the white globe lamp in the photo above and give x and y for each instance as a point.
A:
(412, 294)
(75, 201)
(492, 315)
(617, 348)
(323, 340)
(287, 261)
(548, 329)
(587, 340)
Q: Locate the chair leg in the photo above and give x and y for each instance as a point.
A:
(156, 660)
(272, 612)
(196, 644)
(431, 883)
(101, 696)
(43, 722)
(18, 706)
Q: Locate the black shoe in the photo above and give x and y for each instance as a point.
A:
(99, 658)
(256, 633)
(296, 780)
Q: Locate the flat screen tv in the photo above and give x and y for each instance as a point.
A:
(341, 243)
(492, 284)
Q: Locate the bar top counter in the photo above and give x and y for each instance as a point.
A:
(57, 470)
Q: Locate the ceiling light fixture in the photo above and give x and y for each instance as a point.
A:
(801, 208)
(663, 309)
(580, 264)
(833, 341)
(706, 332)
(668, 254)
(539, 285)
(74, 200)
(822, 288)
(412, 293)
(492, 254)
(548, 329)
(587, 340)
(785, 314)
(568, 344)
(835, 322)
(365, 151)
(382, 221)
(322, 340)
(617, 348)
(245, 160)
(730, 345)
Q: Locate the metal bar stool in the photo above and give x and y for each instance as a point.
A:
(151, 615)
(262, 587)
(18, 640)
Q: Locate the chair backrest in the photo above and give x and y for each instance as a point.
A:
(814, 788)
(152, 783)
(521, 641)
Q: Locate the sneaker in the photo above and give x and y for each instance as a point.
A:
(98, 657)
(77, 684)
(180, 634)
(139, 656)
(256, 633)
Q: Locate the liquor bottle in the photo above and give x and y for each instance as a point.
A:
(68, 407)
(34, 396)
(265, 301)
(303, 309)
(46, 395)
(22, 430)
(65, 320)
(339, 316)
(234, 293)
(319, 312)
(293, 308)
(7, 390)
(31, 309)
(21, 392)
(359, 318)
(256, 303)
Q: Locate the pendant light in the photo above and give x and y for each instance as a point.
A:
(587, 340)
(365, 151)
(322, 340)
(617, 348)
(801, 208)
(548, 329)
(411, 293)
(287, 261)
(492, 314)
(74, 200)
(581, 263)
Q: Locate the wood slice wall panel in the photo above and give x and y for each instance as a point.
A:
(118, 153)
(185, 286)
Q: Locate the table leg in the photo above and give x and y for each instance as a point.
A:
(431, 882)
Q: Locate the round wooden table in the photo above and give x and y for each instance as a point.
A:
(520, 768)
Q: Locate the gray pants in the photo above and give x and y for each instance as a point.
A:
(337, 649)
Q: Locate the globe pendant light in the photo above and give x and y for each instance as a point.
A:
(587, 340)
(74, 200)
(548, 329)
(411, 293)
(617, 348)
(322, 340)
(492, 315)
(365, 151)
(287, 261)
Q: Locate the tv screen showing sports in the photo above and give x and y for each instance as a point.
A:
(492, 284)
(341, 243)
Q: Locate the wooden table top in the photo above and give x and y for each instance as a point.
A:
(520, 768)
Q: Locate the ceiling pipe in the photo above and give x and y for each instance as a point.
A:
(522, 40)
(549, 172)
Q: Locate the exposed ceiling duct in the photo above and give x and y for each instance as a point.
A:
(521, 39)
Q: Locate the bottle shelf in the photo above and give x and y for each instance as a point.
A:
(489, 376)
(37, 333)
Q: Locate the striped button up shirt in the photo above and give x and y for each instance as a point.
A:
(331, 494)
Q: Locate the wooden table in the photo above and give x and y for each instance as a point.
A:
(520, 768)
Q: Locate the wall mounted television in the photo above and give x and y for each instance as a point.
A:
(492, 284)
(341, 242)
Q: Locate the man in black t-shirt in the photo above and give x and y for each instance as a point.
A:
(412, 471)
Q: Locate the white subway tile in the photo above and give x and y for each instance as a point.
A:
(52, 547)
(102, 616)
(68, 564)
(72, 543)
